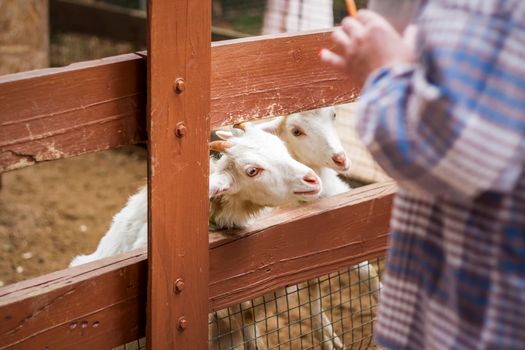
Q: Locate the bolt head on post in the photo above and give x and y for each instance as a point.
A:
(179, 285)
(179, 85)
(183, 323)
(180, 130)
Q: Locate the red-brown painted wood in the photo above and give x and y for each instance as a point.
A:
(179, 49)
(92, 106)
(95, 306)
(274, 75)
(57, 113)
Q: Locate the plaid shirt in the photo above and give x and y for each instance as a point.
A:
(451, 130)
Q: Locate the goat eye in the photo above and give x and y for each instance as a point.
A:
(334, 115)
(252, 171)
(297, 132)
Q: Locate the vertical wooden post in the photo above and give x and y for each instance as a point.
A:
(179, 65)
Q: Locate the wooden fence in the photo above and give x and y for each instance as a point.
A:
(176, 93)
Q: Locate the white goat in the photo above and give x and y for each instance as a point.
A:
(255, 172)
(312, 139)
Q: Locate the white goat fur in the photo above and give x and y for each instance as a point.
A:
(235, 197)
(316, 146)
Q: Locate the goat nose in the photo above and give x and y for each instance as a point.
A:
(339, 159)
(311, 178)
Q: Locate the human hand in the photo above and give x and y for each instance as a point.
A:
(366, 43)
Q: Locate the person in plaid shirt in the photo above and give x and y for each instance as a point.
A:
(447, 121)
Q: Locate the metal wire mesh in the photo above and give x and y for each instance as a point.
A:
(332, 311)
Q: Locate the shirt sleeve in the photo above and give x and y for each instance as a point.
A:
(453, 124)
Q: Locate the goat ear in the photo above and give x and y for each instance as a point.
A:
(272, 126)
(223, 134)
(241, 126)
(220, 183)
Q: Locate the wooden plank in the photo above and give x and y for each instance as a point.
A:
(95, 306)
(91, 106)
(57, 113)
(179, 50)
(298, 244)
(274, 75)
(113, 22)
(267, 256)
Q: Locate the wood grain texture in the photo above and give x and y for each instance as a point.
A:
(179, 48)
(274, 75)
(96, 105)
(85, 107)
(94, 306)
(244, 264)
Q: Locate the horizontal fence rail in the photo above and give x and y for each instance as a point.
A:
(91, 106)
(102, 304)
(96, 306)
(61, 112)
(301, 243)
(274, 75)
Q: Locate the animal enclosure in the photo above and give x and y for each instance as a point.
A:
(170, 97)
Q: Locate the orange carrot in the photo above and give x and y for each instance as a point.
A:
(351, 7)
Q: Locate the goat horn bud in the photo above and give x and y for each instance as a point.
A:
(241, 126)
(219, 146)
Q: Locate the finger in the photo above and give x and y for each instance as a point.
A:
(341, 39)
(356, 32)
(332, 59)
(353, 28)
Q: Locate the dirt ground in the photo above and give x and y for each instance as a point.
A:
(53, 211)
